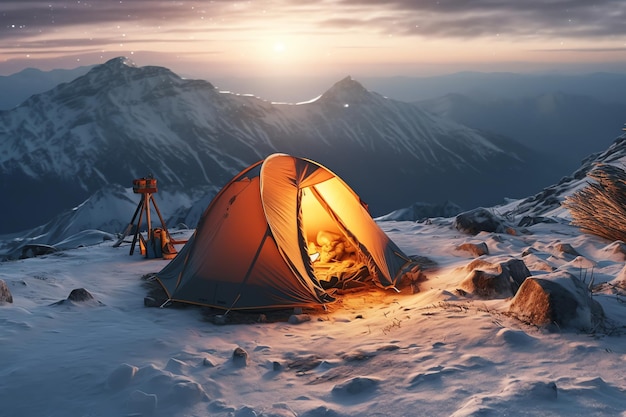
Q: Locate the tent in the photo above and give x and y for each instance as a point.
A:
(284, 232)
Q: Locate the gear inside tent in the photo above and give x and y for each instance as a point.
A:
(284, 232)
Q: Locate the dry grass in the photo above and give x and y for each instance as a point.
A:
(600, 208)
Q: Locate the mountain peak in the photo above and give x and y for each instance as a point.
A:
(121, 71)
(119, 62)
(346, 91)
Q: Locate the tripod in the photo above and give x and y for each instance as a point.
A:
(158, 241)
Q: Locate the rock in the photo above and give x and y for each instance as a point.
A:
(476, 249)
(487, 285)
(176, 366)
(240, 357)
(567, 249)
(187, 393)
(246, 411)
(279, 410)
(142, 403)
(321, 411)
(299, 318)
(5, 293)
(495, 281)
(531, 390)
(479, 264)
(616, 250)
(529, 251)
(121, 376)
(33, 250)
(518, 272)
(80, 295)
(222, 407)
(208, 363)
(557, 300)
(478, 220)
(356, 386)
(532, 220)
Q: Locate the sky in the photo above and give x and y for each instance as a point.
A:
(322, 37)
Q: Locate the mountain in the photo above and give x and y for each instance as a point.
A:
(567, 125)
(109, 210)
(606, 87)
(19, 86)
(120, 122)
(544, 206)
(548, 201)
(421, 211)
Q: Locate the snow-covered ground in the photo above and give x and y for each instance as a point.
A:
(373, 353)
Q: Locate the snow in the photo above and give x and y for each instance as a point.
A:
(373, 353)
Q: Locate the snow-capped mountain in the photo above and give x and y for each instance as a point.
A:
(119, 122)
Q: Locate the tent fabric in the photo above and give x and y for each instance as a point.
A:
(250, 249)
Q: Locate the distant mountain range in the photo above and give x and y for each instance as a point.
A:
(600, 86)
(569, 127)
(120, 122)
(18, 87)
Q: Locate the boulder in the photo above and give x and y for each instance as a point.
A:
(556, 301)
(479, 220)
(240, 357)
(487, 285)
(475, 249)
(487, 280)
(5, 293)
(517, 270)
(566, 249)
(356, 387)
(79, 295)
(532, 220)
(32, 250)
(299, 318)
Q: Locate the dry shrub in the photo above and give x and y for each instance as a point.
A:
(600, 207)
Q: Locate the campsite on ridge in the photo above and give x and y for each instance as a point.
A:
(78, 340)
(283, 294)
(312, 209)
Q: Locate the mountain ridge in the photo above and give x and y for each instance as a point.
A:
(120, 122)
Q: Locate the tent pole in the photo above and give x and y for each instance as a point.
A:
(247, 276)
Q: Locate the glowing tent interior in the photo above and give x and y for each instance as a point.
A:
(282, 233)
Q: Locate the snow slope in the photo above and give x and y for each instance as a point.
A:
(437, 351)
(374, 353)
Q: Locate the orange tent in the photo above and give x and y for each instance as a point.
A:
(277, 235)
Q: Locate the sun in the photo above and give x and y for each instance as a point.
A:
(279, 47)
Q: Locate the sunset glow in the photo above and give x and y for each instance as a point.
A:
(276, 37)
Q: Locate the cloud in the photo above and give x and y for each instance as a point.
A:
(226, 28)
(578, 19)
(573, 19)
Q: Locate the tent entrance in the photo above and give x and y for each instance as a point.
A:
(336, 260)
